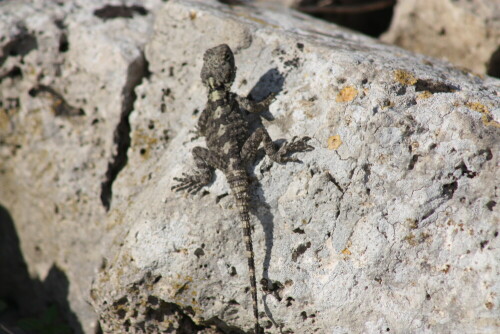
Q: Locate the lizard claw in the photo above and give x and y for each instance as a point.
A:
(196, 133)
(192, 184)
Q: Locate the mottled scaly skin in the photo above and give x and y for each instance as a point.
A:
(231, 148)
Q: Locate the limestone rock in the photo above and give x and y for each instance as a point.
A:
(391, 224)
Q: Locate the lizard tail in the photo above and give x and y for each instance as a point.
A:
(238, 181)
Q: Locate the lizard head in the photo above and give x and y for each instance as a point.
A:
(218, 67)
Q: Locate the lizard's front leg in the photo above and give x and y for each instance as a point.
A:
(201, 127)
(281, 155)
(206, 161)
(255, 107)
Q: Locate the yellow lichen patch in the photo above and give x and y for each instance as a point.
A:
(186, 278)
(346, 251)
(412, 223)
(4, 119)
(488, 121)
(347, 94)
(184, 251)
(486, 118)
(181, 285)
(414, 240)
(143, 142)
(182, 291)
(476, 106)
(424, 95)
(404, 77)
(410, 238)
(489, 305)
(334, 142)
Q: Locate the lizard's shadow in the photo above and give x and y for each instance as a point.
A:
(271, 82)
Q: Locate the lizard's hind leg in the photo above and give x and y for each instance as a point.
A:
(206, 162)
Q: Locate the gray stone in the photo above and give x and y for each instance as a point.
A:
(391, 224)
(466, 32)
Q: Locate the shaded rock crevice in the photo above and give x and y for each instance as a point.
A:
(137, 71)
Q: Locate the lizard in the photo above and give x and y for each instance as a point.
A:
(230, 145)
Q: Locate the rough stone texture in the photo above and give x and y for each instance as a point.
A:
(391, 224)
(67, 73)
(463, 31)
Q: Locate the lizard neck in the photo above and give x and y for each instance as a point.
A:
(217, 94)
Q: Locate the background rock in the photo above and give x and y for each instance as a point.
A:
(465, 32)
(67, 74)
(390, 224)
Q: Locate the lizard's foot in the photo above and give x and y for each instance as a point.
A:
(293, 146)
(192, 184)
